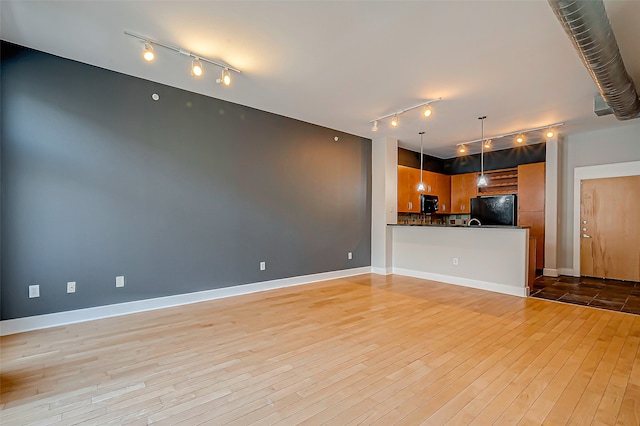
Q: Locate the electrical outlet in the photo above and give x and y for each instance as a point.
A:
(263, 266)
(71, 287)
(455, 260)
(120, 281)
(34, 291)
(349, 255)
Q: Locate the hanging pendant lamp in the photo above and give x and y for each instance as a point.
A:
(421, 186)
(482, 180)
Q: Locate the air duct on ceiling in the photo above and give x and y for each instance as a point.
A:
(587, 25)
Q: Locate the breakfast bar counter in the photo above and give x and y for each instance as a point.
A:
(491, 258)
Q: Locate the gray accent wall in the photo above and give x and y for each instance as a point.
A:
(183, 194)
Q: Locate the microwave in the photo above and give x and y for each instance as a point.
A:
(428, 203)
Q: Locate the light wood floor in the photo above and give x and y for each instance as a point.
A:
(363, 350)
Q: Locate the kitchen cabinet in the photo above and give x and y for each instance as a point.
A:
(531, 187)
(463, 188)
(443, 188)
(408, 195)
(535, 222)
(531, 193)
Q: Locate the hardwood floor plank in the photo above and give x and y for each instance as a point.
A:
(367, 349)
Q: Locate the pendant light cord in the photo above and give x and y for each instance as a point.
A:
(482, 146)
(421, 155)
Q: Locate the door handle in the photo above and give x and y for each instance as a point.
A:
(586, 236)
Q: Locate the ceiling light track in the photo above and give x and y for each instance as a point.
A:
(149, 42)
(426, 113)
(519, 132)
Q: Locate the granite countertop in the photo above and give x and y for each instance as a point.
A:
(461, 226)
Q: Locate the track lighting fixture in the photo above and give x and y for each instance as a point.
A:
(482, 180)
(427, 112)
(225, 78)
(375, 126)
(520, 137)
(148, 54)
(197, 69)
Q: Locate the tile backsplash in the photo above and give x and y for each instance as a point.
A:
(428, 219)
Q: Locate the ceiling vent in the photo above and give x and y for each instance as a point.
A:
(587, 25)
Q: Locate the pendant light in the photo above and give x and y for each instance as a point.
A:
(421, 186)
(482, 180)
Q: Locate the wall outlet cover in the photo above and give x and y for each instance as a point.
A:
(349, 255)
(120, 281)
(71, 287)
(263, 266)
(34, 291)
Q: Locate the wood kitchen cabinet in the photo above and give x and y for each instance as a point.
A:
(535, 220)
(463, 188)
(443, 188)
(531, 193)
(531, 187)
(408, 195)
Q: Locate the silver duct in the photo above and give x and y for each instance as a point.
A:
(587, 25)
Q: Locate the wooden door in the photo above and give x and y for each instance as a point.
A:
(610, 228)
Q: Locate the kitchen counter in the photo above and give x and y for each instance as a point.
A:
(461, 226)
(491, 258)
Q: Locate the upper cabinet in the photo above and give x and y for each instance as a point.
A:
(531, 187)
(443, 188)
(463, 188)
(409, 196)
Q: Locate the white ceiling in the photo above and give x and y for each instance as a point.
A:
(341, 64)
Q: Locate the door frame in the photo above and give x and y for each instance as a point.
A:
(631, 168)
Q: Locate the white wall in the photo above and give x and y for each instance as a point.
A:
(615, 145)
(492, 259)
(384, 160)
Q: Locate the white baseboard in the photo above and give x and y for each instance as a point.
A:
(549, 272)
(20, 325)
(568, 271)
(381, 271)
(481, 285)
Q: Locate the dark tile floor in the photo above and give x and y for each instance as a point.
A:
(613, 295)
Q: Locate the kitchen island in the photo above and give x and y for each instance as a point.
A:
(491, 258)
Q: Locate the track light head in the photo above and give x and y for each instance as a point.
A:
(395, 121)
(375, 126)
(520, 138)
(225, 77)
(196, 68)
(427, 111)
(487, 144)
(550, 133)
(462, 149)
(148, 54)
